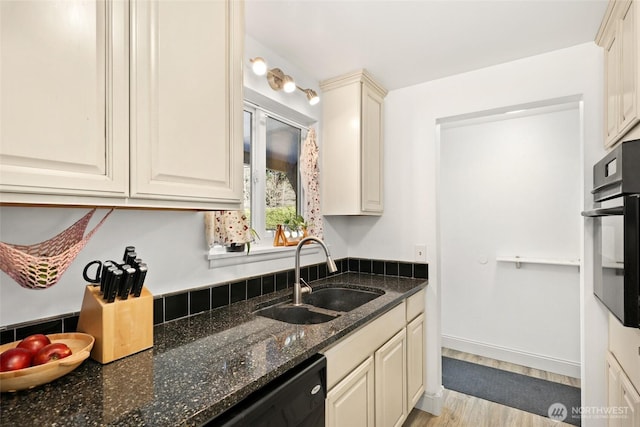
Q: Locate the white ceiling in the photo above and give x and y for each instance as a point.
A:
(407, 42)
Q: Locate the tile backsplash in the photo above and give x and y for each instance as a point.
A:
(190, 302)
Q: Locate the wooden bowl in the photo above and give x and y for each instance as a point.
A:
(22, 379)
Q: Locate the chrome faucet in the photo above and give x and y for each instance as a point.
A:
(297, 287)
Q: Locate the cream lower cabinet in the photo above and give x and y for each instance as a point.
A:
(623, 374)
(415, 361)
(623, 398)
(351, 402)
(391, 381)
(124, 103)
(375, 374)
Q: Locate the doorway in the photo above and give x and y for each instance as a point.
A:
(509, 223)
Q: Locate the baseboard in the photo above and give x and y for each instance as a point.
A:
(431, 403)
(532, 360)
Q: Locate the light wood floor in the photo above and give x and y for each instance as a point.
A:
(461, 410)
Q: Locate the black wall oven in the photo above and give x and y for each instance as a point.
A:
(616, 196)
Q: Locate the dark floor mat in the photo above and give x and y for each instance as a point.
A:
(526, 393)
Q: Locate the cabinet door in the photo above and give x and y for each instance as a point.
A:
(630, 400)
(350, 402)
(628, 69)
(613, 387)
(64, 103)
(186, 101)
(612, 87)
(415, 361)
(391, 382)
(371, 152)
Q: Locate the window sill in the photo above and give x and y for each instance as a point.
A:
(219, 258)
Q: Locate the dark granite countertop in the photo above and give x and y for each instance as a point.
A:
(199, 366)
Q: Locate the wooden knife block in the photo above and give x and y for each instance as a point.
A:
(120, 328)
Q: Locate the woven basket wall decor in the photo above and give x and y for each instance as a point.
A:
(40, 266)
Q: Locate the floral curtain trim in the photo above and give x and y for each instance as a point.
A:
(310, 173)
(226, 227)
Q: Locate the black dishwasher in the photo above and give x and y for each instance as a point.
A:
(294, 399)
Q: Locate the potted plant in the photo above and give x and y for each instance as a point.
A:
(296, 225)
(291, 231)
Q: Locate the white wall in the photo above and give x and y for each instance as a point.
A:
(171, 242)
(411, 153)
(510, 185)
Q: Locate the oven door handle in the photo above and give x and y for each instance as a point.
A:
(596, 213)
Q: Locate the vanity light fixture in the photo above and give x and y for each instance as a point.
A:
(278, 80)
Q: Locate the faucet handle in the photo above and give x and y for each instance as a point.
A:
(305, 288)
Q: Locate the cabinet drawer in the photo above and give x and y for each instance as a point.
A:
(415, 305)
(347, 354)
(624, 343)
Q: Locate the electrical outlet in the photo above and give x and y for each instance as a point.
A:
(420, 253)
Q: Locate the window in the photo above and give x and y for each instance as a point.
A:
(272, 186)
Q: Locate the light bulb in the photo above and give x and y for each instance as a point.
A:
(288, 84)
(259, 66)
(312, 96)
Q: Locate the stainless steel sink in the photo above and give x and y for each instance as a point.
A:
(320, 306)
(339, 298)
(298, 315)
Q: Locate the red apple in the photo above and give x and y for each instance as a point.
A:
(15, 358)
(51, 352)
(34, 343)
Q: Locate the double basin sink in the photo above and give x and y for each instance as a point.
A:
(321, 305)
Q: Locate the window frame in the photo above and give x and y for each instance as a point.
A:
(263, 249)
(258, 146)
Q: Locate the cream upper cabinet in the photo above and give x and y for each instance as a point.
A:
(352, 145)
(64, 99)
(619, 37)
(186, 100)
(122, 103)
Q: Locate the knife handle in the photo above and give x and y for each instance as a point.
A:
(139, 281)
(130, 257)
(127, 282)
(127, 250)
(108, 280)
(136, 264)
(104, 274)
(115, 285)
(122, 283)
